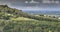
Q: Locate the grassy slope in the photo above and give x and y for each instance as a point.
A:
(19, 13)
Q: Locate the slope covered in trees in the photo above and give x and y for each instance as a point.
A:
(14, 20)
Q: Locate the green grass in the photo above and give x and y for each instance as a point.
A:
(31, 25)
(20, 18)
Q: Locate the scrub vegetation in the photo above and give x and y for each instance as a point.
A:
(14, 20)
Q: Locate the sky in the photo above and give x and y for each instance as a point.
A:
(51, 5)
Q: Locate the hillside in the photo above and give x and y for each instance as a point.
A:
(14, 20)
(18, 13)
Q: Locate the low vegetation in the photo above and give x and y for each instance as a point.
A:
(14, 20)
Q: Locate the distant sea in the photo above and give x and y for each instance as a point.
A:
(43, 12)
(53, 13)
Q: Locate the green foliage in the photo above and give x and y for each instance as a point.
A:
(30, 26)
(19, 13)
(10, 21)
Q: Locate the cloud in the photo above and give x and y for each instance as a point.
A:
(48, 1)
(3, 3)
(32, 1)
(26, 1)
